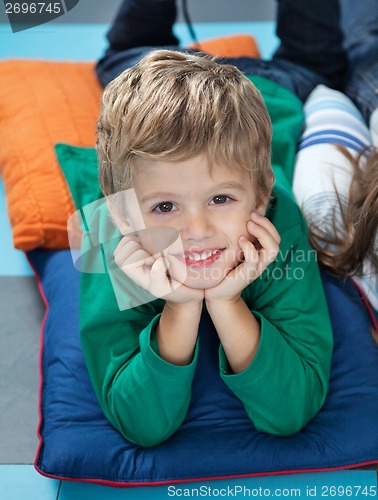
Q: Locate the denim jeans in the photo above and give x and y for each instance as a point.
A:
(359, 22)
(322, 41)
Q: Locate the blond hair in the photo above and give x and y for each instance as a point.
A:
(174, 106)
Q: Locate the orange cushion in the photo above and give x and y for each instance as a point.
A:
(43, 103)
(230, 46)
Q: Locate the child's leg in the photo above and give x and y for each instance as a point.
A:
(142, 25)
(143, 22)
(359, 20)
(139, 26)
(311, 37)
(311, 50)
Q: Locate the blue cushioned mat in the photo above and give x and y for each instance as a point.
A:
(216, 440)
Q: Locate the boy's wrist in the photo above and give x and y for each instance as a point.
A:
(216, 303)
(192, 307)
(177, 332)
(237, 329)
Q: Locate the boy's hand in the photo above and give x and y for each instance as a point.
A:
(150, 272)
(257, 257)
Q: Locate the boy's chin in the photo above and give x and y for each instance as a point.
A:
(201, 279)
(202, 283)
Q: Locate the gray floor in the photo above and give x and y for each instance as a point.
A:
(19, 368)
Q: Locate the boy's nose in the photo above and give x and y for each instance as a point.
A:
(197, 226)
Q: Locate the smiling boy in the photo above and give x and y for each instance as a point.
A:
(193, 139)
(210, 213)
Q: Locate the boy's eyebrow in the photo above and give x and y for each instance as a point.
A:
(158, 194)
(223, 185)
(231, 185)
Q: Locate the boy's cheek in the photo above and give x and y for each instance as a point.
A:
(158, 239)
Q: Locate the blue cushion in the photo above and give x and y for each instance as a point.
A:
(216, 440)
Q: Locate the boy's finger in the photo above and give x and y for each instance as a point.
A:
(251, 267)
(123, 244)
(264, 222)
(251, 255)
(132, 252)
(123, 253)
(265, 237)
(139, 275)
(160, 284)
(139, 258)
(126, 239)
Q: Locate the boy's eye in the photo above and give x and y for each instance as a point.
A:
(164, 207)
(220, 199)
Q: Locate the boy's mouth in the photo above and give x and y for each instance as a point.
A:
(201, 258)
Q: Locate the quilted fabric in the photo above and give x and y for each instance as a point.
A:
(42, 103)
(216, 439)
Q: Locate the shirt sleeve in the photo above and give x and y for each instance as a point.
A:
(142, 395)
(287, 382)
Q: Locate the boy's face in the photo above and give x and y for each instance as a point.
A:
(210, 212)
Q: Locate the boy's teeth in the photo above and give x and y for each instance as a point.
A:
(202, 256)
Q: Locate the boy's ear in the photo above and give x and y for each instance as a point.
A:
(261, 207)
(119, 219)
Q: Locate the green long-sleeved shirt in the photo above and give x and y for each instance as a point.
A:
(147, 398)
